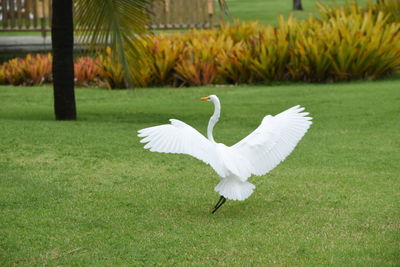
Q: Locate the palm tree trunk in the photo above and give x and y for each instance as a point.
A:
(297, 5)
(62, 39)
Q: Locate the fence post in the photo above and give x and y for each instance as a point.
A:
(210, 5)
(4, 15)
(41, 13)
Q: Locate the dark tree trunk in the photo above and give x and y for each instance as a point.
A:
(62, 39)
(297, 5)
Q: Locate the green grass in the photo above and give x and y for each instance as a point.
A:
(267, 11)
(86, 193)
(23, 33)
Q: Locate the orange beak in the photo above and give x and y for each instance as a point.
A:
(206, 98)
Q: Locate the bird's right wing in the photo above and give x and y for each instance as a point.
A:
(180, 138)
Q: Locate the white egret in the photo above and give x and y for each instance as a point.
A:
(257, 154)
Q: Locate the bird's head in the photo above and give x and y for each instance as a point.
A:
(212, 98)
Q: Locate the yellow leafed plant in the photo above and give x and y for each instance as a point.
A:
(350, 42)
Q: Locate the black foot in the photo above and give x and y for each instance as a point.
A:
(220, 202)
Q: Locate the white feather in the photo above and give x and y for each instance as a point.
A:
(258, 153)
(273, 140)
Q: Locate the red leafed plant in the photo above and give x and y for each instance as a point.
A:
(36, 69)
(87, 71)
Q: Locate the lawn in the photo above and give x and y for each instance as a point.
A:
(267, 11)
(86, 193)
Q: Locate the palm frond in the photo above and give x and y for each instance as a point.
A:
(114, 23)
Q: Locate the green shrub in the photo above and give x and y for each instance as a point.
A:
(349, 43)
(110, 72)
(391, 9)
(13, 72)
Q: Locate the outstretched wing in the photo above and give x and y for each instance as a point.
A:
(273, 140)
(180, 138)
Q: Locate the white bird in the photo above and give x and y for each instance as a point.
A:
(257, 154)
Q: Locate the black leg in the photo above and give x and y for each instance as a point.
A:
(219, 201)
(219, 204)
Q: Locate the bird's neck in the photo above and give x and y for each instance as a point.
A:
(213, 120)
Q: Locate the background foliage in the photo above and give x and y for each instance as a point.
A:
(349, 43)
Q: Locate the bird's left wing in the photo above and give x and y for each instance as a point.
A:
(180, 138)
(273, 140)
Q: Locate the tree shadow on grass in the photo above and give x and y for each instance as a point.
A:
(27, 115)
(133, 117)
(109, 117)
(254, 208)
(33, 193)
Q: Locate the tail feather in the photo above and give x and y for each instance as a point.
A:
(234, 189)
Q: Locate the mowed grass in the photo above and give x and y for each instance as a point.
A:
(86, 193)
(267, 11)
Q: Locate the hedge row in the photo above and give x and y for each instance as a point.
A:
(347, 44)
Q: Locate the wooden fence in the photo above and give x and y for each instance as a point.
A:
(25, 15)
(183, 14)
(35, 15)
